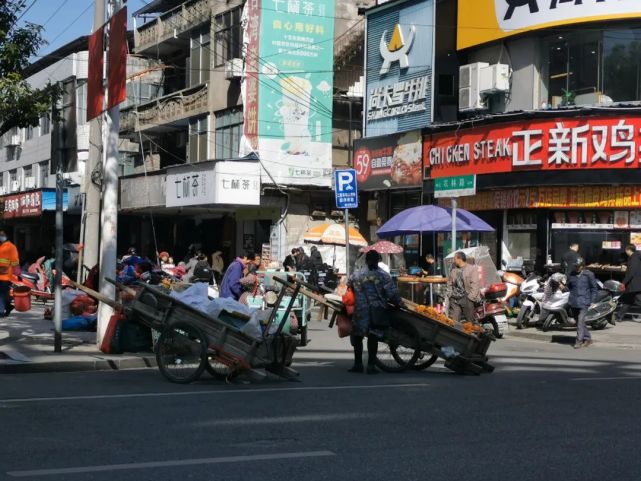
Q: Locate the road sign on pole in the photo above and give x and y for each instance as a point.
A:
(346, 189)
(458, 186)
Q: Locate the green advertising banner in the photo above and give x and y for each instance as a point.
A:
(289, 88)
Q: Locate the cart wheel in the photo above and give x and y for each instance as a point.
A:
(181, 353)
(217, 369)
(425, 360)
(394, 358)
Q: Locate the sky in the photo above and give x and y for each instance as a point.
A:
(66, 20)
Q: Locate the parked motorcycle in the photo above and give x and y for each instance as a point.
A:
(491, 312)
(556, 309)
(530, 299)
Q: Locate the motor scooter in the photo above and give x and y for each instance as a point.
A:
(491, 311)
(530, 299)
(556, 312)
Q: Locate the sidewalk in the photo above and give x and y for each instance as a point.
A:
(625, 335)
(26, 345)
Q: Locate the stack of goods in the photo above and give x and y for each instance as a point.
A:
(432, 313)
(466, 327)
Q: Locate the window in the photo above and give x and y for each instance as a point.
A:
(27, 173)
(200, 58)
(198, 129)
(228, 36)
(28, 135)
(13, 152)
(81, 102)
(574, 66)
(229, 129)
(45, 124)
(13, 180)
(622, 64)
(43, 174)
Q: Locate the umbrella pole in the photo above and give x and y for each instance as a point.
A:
(453, 224)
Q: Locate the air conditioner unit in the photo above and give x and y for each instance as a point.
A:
(234, 68)
(29, 182)
(469, 91)
(495, 79)
(14, 140)
(15, 186)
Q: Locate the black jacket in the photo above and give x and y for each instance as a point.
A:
(632, 278)
(583, 289)
(568, 262)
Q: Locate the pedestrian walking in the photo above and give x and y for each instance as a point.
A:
(9, 266)
(568, 263)
(463, 288)
(583, 290)
(374, 289)
(631, 281)
(316, 257)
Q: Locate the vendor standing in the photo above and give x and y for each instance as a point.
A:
(631, 281)
(570, 258)
(430, 267)
(463, 288)
(231, 288)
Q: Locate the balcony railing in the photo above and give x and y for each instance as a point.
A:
(165, 110)
(180, 19)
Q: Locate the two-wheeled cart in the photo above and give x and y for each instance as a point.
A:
(415, 341)
(191, 341)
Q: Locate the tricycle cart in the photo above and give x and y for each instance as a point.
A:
(416, 341)
(191, 341)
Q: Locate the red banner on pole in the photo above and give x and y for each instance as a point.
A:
(95, 92)
(117, 60)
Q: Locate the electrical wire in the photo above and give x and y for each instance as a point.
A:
(55, 13)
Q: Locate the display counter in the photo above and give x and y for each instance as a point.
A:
(421, 290)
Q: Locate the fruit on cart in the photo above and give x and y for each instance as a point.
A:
(432, 313)
(472, 328)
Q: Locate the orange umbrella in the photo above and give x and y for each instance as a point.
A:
(334, 234)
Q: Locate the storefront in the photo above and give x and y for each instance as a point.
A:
(545, 180)
(29, 219)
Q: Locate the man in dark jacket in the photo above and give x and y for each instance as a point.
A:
(583, 290)
(568, 263)
(231, 287)
(632, 282)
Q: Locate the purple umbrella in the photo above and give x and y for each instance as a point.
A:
(431, 218)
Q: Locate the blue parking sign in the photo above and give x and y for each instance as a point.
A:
(346, 189)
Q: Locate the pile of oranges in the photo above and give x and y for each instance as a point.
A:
(432, 313)
(471, 328)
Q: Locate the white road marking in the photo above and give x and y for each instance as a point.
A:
(209, 393)
(615, 378)
(167, 464)
(289, 419)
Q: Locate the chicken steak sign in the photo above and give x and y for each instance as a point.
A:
(552, 145)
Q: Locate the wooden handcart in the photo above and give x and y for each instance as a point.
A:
(415, 341)
(191, 341)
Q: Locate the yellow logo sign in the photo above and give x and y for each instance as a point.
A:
(397, 48)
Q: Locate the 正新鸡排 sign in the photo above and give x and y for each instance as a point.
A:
(551, 145)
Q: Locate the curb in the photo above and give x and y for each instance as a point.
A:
(97, 364)
(567, 339)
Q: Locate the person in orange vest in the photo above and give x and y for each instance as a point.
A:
(9, 266)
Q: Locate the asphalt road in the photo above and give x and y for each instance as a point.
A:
(547, 413)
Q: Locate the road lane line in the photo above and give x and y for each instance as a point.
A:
(305, 418)
(614, 378)
(169, 464)
(209, 393)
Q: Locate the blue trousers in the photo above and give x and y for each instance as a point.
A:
(5, 299)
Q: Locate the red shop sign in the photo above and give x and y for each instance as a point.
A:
(558, 144)
(28, 204)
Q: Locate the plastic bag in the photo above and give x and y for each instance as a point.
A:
(195, 296)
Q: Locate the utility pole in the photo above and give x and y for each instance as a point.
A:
(57, 306)
(109, 212)
(90, 229)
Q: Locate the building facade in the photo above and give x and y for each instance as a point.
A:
(191, 181)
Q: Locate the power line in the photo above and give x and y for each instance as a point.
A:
(25, 11)
(55, 13)
(72, 22)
